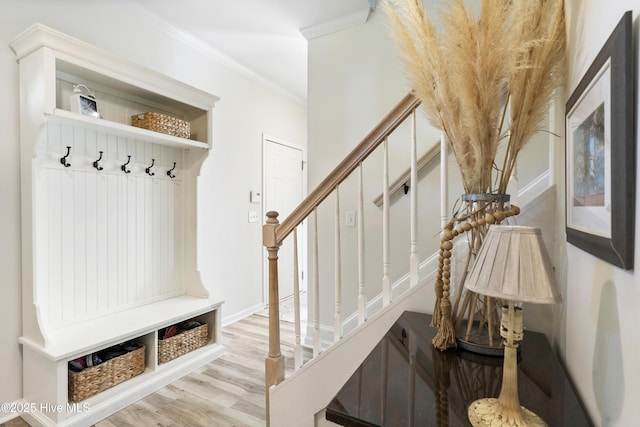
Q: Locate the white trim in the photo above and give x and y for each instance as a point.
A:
(534, 188)
(266, 138)
(242, 314)
(348, 21)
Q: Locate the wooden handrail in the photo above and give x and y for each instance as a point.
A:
(368, 144)
(402, 179)
(274, 232)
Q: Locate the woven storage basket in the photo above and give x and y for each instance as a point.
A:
(183, 343)
(162, 123)
(91, 381)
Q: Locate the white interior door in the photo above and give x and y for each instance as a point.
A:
(283, 191)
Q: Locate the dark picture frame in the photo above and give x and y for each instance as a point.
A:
(601, 153)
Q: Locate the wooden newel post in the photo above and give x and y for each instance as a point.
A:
(274, 363)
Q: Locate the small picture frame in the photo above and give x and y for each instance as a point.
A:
(84, 104)
(600, 154)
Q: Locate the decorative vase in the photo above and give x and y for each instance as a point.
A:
(476, 317)
(473, 321)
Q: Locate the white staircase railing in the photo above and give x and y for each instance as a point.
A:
(414, 293)
(274, 233)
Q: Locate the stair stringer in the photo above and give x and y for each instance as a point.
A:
(306, 392)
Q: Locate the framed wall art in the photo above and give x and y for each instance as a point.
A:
(600, 154)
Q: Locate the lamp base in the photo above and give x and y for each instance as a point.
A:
(490, 413)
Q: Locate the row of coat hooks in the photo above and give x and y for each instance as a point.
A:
(124, 167)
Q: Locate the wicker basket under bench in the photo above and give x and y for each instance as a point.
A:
(93, 380)
(182, 343)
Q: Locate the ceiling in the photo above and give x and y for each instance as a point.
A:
(266, 39)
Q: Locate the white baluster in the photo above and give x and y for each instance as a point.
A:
(337, 317)
(316, 288)
(413, 258)
(297, 352)
(362, 299)
(386, 247)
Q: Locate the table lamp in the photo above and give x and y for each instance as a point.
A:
(512, 265)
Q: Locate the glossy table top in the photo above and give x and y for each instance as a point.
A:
(406, 382)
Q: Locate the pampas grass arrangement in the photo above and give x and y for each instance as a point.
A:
(483, 78)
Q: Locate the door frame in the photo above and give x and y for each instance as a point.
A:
(302, 236)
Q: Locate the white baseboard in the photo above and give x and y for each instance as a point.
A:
(8, 415)
(242, 314)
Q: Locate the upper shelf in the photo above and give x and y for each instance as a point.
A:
(56, 63)
(119, 129)
(83, 60)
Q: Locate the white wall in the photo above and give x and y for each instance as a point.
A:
(598, 336)
(230, 249)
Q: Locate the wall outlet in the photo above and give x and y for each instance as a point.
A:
(253, 216)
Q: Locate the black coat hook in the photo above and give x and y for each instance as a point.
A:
(148, 170)
(63, 159)
(96, 164)
(171, 170)
(124, 167)
(405, 187)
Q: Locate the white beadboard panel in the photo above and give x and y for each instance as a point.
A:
(179, 276)
(92, 243)
(66, 280)
(140, 238)
(102, 242)
(41, 251)
(111, 258)
(107, 240)
(78, 238)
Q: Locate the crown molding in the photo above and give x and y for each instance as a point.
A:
(348, 21)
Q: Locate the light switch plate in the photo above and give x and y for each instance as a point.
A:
(255, 196)
(253, 216)
(350, 218)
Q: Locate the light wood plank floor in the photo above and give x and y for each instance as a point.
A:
(226, 392)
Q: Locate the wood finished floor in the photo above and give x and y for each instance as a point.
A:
(226, 392)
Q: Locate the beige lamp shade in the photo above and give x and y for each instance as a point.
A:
(513, 264)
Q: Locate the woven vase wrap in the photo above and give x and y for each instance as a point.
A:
(443, 314)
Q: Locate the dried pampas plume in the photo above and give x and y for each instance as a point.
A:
(483, 78)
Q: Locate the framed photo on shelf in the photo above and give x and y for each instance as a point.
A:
(600, 154)
(84, 104)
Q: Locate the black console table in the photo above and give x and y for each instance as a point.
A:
(406, 382)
